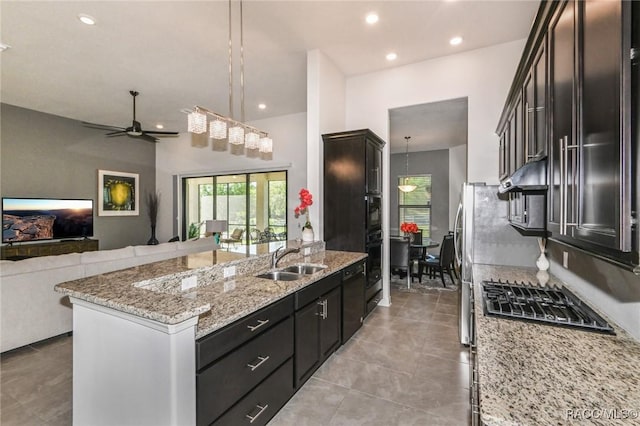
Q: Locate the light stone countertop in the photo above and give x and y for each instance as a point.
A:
(534, 374)
(149, 291)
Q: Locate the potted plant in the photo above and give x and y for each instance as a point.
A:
(306, 200)
(153, 205)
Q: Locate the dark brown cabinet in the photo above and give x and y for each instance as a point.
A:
(22, 251)
(591, 168)
(318, 320)
(578, 84)
(353, 201)
(254, 352)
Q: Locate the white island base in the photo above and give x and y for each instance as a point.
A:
(128, 370)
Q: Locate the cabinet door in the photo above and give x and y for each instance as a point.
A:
(538, 147)
(529, 93)
(330, 323)
(307, 342)
(561, 79)
(502, 156)
(603, 201)
(519, 136)
(374, 168)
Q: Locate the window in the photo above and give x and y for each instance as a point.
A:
(255, 202)
(415, 206)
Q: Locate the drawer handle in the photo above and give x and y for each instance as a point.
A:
(260, 324)
(261, 360)
(253, 418)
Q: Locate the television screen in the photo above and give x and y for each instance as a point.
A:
(33, 219)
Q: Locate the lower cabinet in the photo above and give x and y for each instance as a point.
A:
(317, 327)
(248, 370)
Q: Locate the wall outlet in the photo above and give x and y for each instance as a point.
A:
(306, 251)
(189, 282)
(229, 272)
(565, 259)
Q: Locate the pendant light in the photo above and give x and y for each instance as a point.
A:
(406, 187)
(226, 127)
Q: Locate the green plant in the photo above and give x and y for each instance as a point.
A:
(194, 230)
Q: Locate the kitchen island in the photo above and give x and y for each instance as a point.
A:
(135, 330)
(533, 374)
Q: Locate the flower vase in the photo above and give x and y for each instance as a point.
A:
(409, 236)
(542, 262)
(153, 241)
(307, 234)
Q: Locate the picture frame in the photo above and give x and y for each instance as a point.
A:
(118, 193)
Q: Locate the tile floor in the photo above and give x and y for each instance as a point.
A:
(403, 367)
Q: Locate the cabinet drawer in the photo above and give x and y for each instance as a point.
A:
(226, 381)
(317, 289)
(212, 347)
(258, 407)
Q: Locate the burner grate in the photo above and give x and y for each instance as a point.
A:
(546, 304)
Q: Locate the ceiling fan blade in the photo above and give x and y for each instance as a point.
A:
(154, 132)
(102, 126)
(147, 138)
(116, 133)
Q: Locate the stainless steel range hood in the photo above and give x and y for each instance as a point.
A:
(528, 178)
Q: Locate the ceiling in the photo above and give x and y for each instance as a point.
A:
(175, 53)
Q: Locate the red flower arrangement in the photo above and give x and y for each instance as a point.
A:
(409, 227)
(306, 200)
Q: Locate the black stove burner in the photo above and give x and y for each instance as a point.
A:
(548, 305)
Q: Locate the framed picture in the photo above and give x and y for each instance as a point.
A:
(118, 193)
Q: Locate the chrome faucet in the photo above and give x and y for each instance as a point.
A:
(275, 257)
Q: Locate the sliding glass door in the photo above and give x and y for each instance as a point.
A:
(254, 204)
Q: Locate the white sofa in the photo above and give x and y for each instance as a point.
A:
(30, 309)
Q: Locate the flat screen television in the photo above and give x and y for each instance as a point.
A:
(34, 219)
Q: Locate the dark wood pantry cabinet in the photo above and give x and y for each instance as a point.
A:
(353, 201)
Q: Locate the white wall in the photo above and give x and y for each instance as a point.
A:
(179, 157)
(325, 114)
(484, 76)
(457, 176)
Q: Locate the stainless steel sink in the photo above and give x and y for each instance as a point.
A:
(304, 269)
(281, 276)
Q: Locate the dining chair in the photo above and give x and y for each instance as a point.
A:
(235, 237)
(399, 259)
(441, 263)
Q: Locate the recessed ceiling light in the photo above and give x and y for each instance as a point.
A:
(455, 41)
(262, 106)
(159, 126)
(86, 19)
(391, 56)
(372, 18)
(4, 47)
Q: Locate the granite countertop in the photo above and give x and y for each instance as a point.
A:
(149, 291)
(534, 374)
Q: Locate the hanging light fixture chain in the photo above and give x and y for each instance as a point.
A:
(241, 65)
(230, 66)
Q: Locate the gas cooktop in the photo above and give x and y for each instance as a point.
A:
(544, 304)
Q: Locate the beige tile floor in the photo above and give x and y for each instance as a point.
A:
(403, 367)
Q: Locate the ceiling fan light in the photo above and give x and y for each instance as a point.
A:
(197, 122)
(218, 129)
(236, 135)
(252, 140)
(266, 144)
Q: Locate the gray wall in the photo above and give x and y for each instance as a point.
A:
(435, 163)
(48, 156)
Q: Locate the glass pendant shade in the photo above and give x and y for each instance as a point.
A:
(266, 144)
(252, 140)
(407, 187)
(218, 129)
(236, 135)
(197, 122)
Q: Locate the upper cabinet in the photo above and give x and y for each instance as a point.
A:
(577, 88)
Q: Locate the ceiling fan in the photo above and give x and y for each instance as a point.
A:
(135, 130)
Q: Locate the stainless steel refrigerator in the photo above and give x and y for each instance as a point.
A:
(483, 235)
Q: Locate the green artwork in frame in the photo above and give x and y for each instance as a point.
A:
(118, 193)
